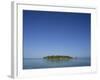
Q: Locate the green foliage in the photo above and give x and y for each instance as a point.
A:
(57, 57)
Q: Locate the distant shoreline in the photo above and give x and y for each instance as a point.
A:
(42, 58)
(58, 57)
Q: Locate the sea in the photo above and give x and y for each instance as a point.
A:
(39, 63)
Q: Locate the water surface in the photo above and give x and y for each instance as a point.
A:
(37, 63)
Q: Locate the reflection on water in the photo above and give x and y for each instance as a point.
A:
(56, 61)
(36, 63)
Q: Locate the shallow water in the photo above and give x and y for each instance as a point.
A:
(37, 63)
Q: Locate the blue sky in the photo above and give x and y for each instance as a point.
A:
(56, 33)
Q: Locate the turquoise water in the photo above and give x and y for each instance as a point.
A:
(38, 63)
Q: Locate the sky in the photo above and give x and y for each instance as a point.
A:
(56, 33)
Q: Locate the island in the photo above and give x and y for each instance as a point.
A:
(57, 57)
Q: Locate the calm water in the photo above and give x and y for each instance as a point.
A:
(30, 63)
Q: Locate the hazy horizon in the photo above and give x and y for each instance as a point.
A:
(56, 33)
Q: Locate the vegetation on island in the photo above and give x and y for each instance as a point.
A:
(58, 57)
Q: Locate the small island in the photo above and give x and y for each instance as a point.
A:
(58, 57)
